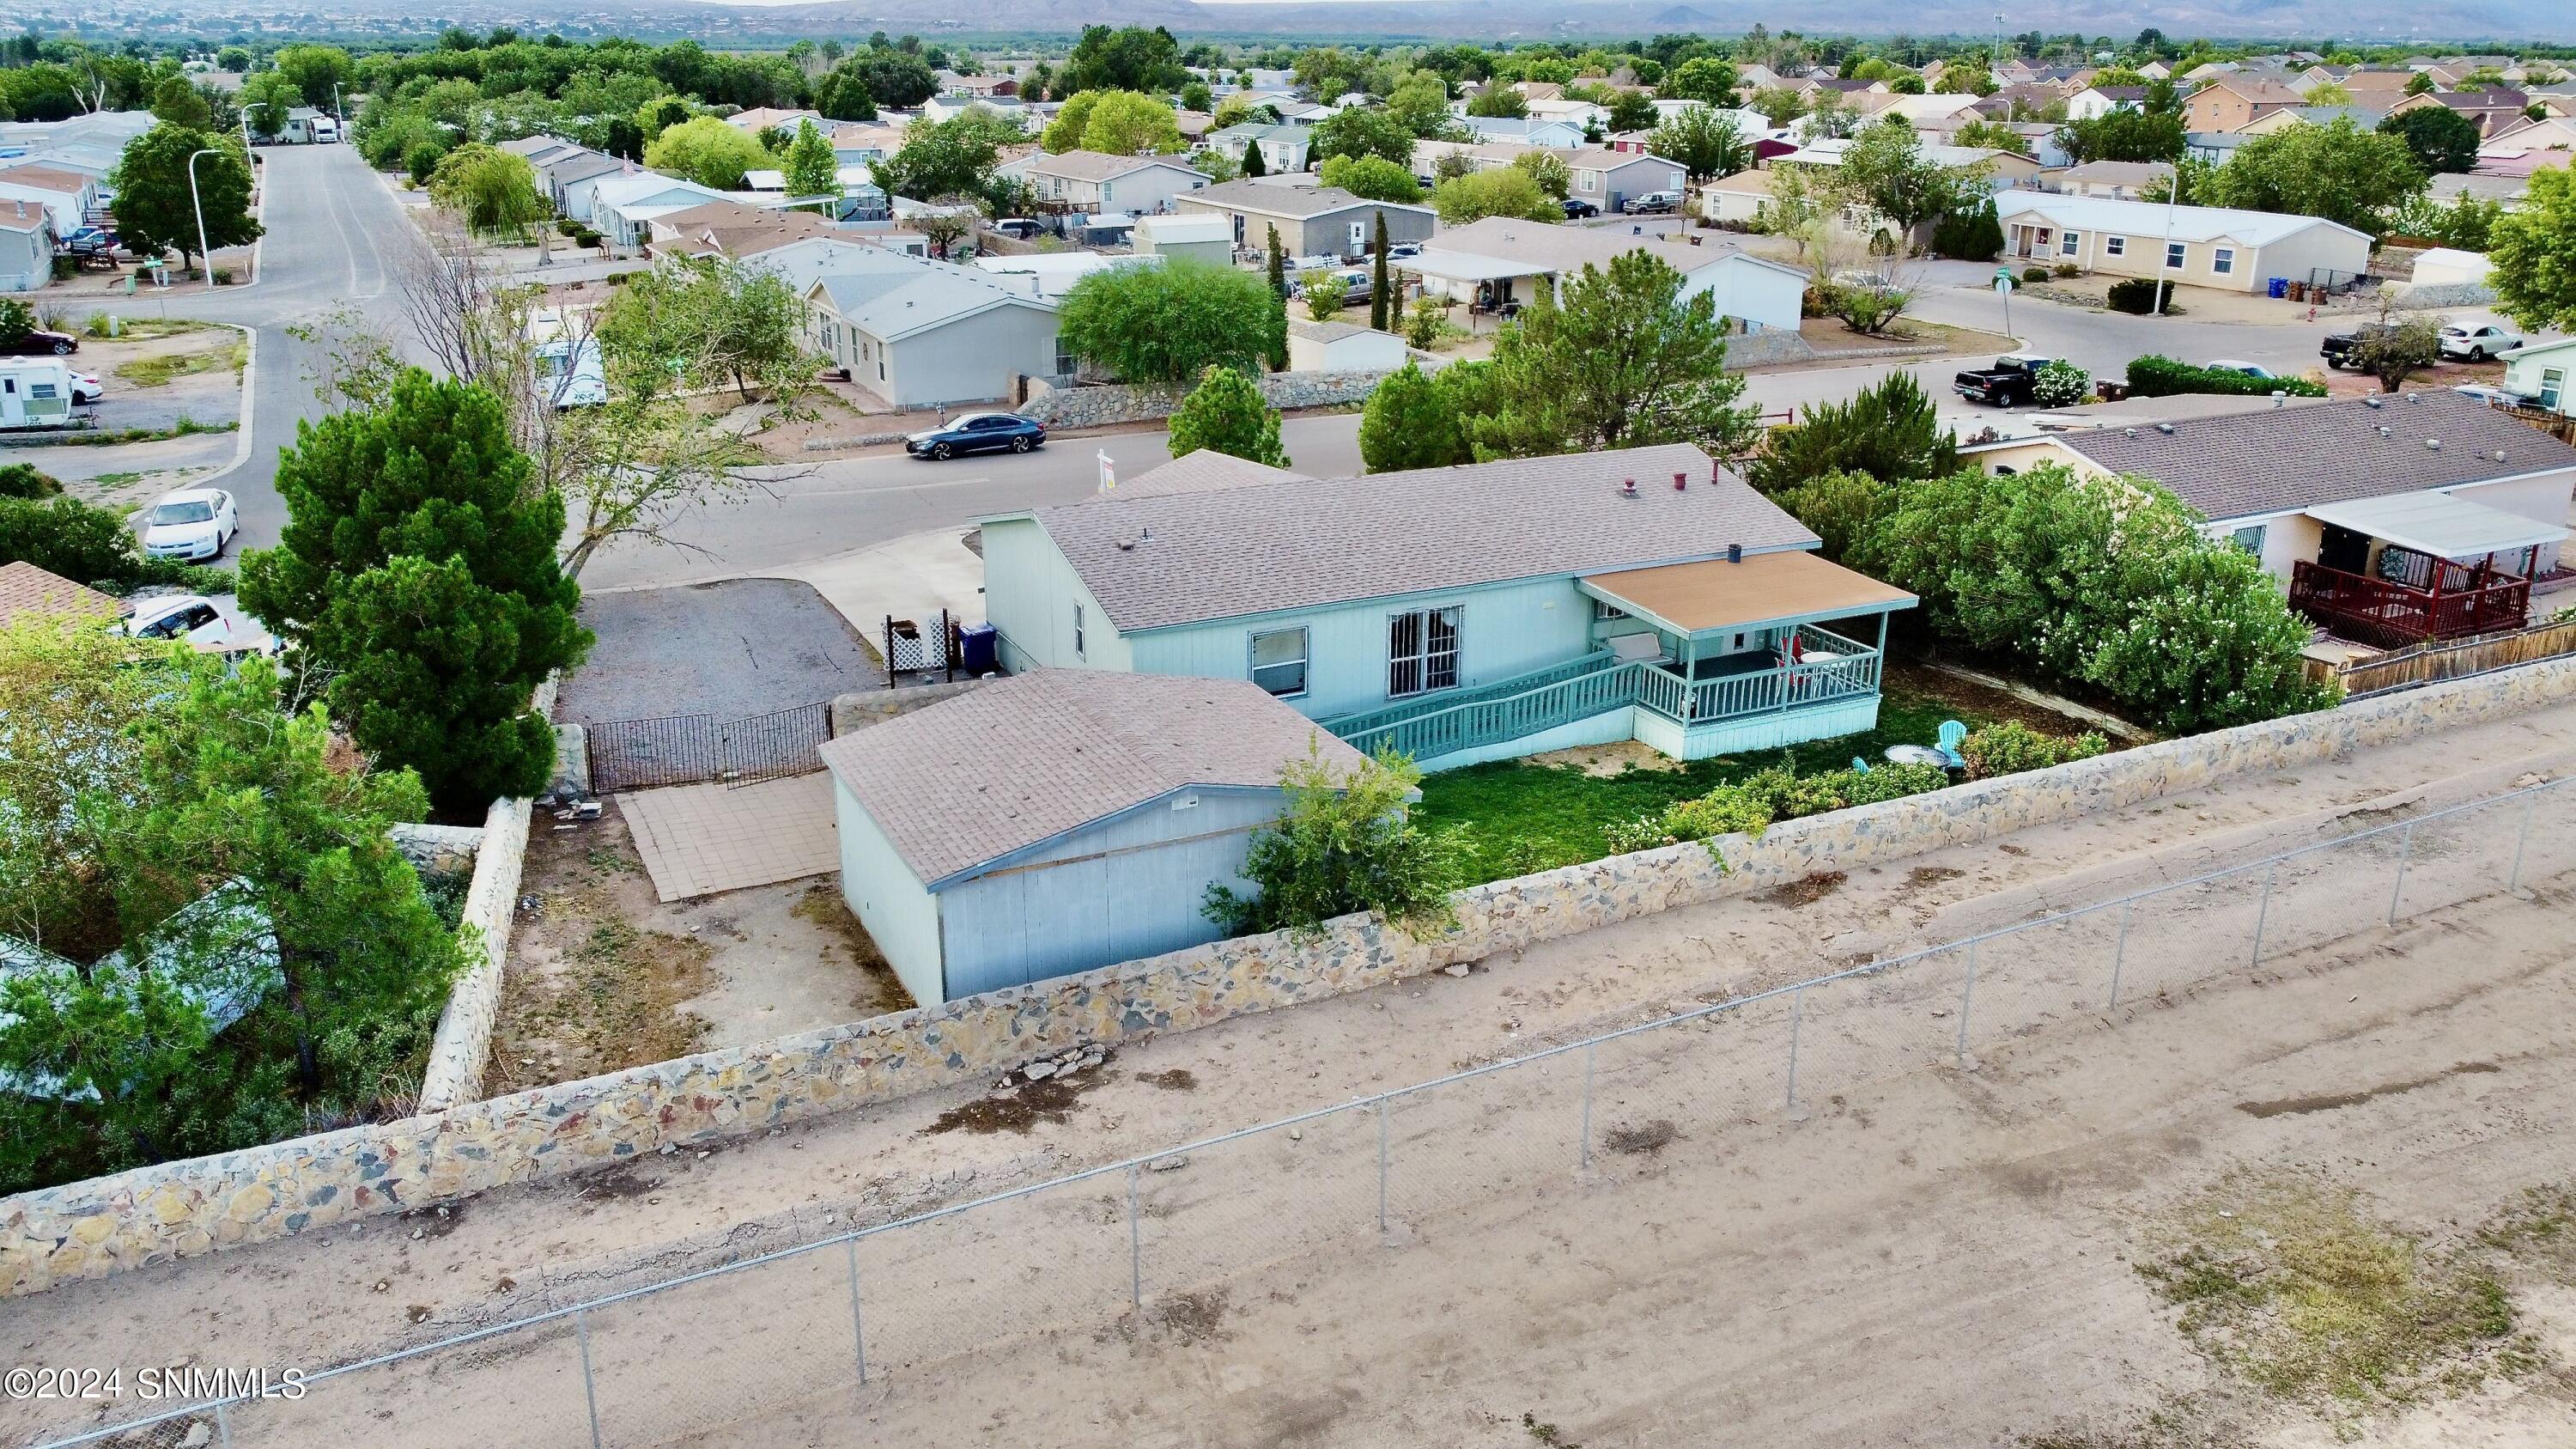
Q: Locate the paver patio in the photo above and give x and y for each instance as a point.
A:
(697, 840)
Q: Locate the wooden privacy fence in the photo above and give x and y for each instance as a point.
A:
(2430, 663)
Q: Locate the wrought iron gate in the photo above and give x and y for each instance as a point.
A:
(685, 749)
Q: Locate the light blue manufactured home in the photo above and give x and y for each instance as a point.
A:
(1058, 821)
(1460, 614)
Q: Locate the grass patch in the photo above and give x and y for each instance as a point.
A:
(1523, 817)
(184, 428)
(2538, 1232)
(146, 329)
(2288, 1281)
(610, 1003)
(159, 369)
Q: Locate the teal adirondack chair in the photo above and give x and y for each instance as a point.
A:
(1952, 733)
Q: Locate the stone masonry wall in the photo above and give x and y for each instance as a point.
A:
(177, 1209)
(1096, 407)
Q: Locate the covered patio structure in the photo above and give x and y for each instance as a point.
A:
(2409, 567)
(1739, 655)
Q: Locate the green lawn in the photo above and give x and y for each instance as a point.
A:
(1523, 817)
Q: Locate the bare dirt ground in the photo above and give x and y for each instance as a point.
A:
(603, 976)
(1933, 1256)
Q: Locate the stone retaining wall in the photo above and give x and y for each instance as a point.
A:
(1096, 407)
(89, 1229)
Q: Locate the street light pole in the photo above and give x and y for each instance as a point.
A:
(197, 201)
(2173, 199)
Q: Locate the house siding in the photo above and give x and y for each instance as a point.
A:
(901, 915)
(973, 359)
(1127, 887)
(1030, 590)
(1503, 630)
(26, 260)
(1330, 232)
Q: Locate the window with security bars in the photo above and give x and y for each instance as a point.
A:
(1421, 651)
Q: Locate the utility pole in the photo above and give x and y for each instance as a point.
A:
(204, 253)
(2173, 200)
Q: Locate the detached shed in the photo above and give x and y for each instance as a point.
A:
(1058, 821)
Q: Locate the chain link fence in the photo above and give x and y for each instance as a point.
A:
(809, 1334)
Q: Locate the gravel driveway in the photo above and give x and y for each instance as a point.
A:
(741, 647)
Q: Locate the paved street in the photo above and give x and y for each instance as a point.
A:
(835, 507)
(331, 227)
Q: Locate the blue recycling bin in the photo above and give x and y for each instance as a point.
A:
(979, 648)
(2278, 287)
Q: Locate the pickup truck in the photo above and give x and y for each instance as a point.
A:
(2006, 384)
(2339, 347)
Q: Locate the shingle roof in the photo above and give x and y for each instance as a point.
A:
(894, 296)
(1019, 761)
(1182, 558)
(31, 592)
(2291, 458)
(1098, 165)
(2152, 219)
(43, 178)
(1568, 248)
(1203, 471)
(1296, 202)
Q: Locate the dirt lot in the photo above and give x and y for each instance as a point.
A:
(1933, 1256)
(604, 977)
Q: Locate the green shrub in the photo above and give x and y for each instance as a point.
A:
(2065, 269)
(2013, 747)
(1969, 236)
(1344, 844)
(83, 543)
(2034, 274)
(2060, 385)
(2137, 296)
(2155, 376)
(1749, 806)
(21, 480)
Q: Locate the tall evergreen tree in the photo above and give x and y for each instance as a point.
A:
(1227, 413)
(1381, 296)
(417, 574)
(1254, 163)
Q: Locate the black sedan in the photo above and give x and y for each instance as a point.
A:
(1577, 208)
(36, 342)
(977, 433)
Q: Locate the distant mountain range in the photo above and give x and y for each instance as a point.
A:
(2426, 22)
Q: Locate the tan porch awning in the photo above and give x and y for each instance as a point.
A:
(1765, 588)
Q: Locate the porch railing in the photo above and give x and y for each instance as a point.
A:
(2392, 615)
(1578, 689)
(1467, 725)
(1348, 726)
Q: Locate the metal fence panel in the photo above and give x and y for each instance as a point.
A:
(767, 746)
(635, 754)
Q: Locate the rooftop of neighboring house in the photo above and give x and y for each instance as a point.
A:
(1021, 761)
(2117, 95)
(1314, 331)
(37, 177)
(2151, 218)
(1294, 203)
(1101, 166)
(1831, 151)
(1547, 246)
(2489, 100)
(2365, 117)
(2286, 459)
(2111, 173)
(29, 592)
(1262, 131)
(1265, 545)
(894, 296)
(761, 118)
(2259, 89)
(736, 230)
(620, 190)
(23, 216)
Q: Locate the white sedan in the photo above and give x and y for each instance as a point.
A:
(86, 387)
(2478, 343)
(193, 523)
(187, 618)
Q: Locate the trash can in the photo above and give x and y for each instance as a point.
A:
(2279, 287)
(979, 648)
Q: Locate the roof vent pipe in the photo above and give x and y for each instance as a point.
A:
(2280, 399)
(2433, 443)
(2165, 428)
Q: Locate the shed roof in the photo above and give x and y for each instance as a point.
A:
(972, 780)
(1183, 558)
(27, 591)
(2290, 459)
(1713, 594)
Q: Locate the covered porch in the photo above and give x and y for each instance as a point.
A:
(2412, 567)
(1734, 655)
